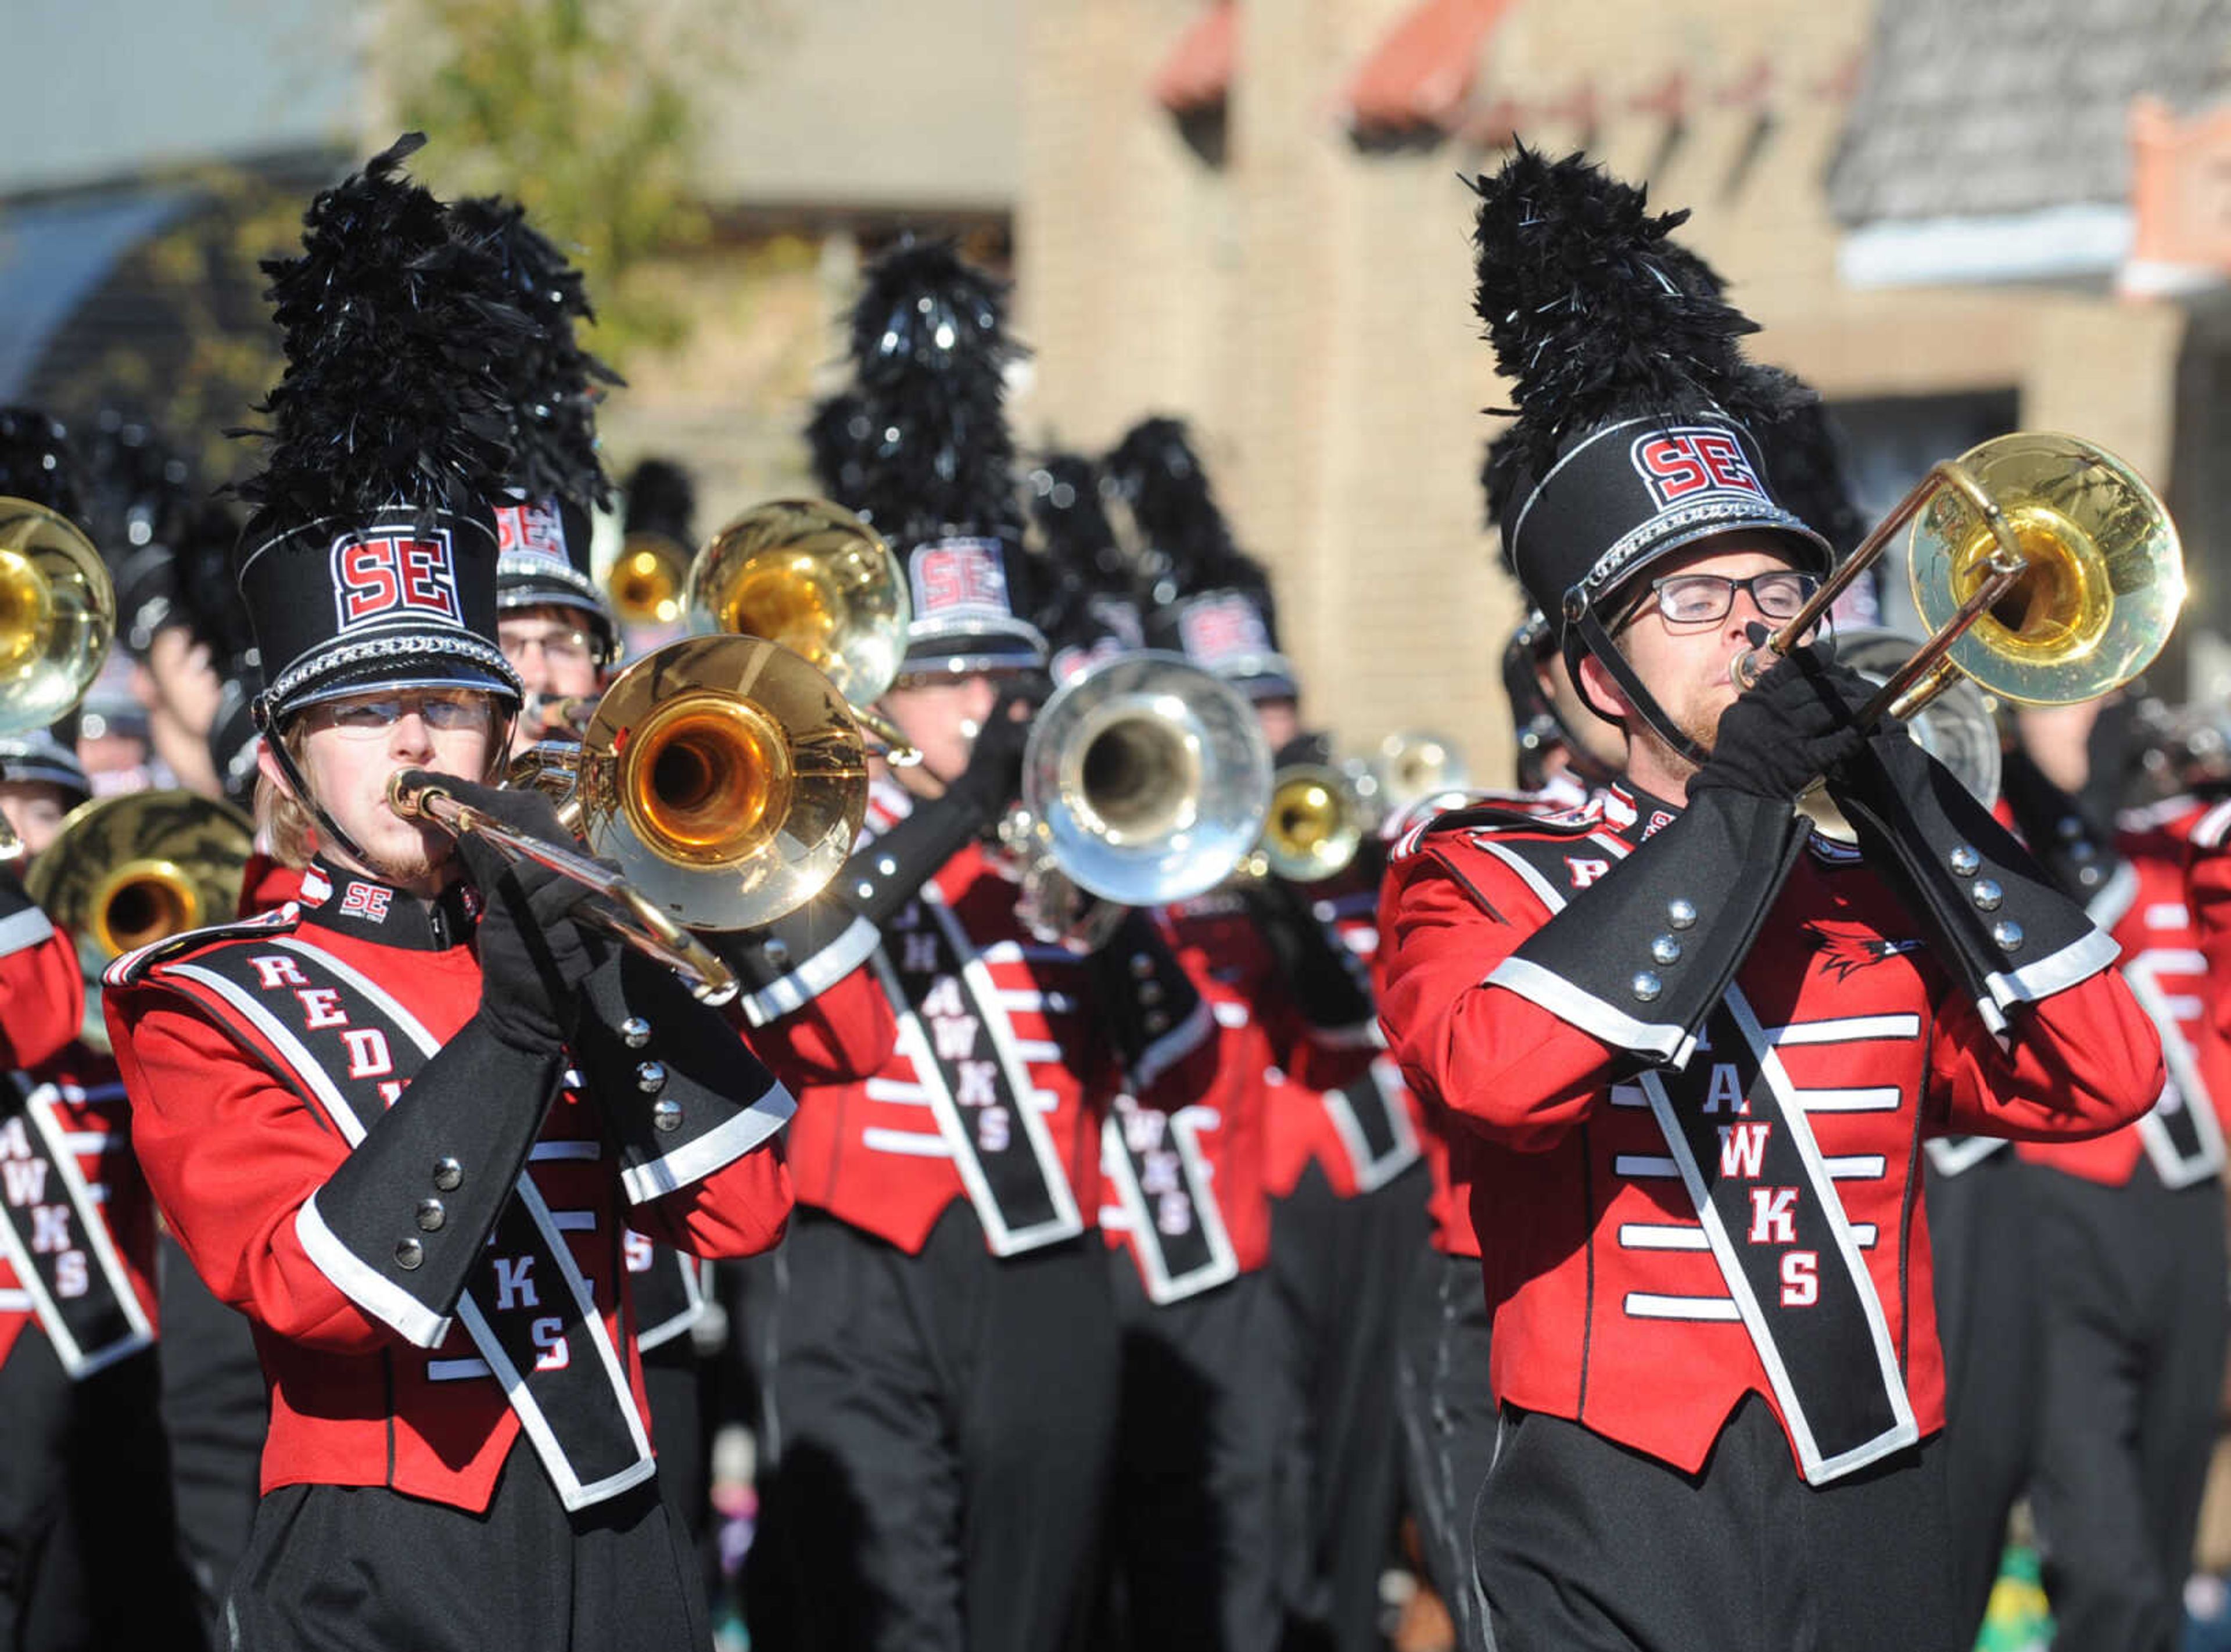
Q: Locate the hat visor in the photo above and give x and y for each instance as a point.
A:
(488, 674)
(960, 653)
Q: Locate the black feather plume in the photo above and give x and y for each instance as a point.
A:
(397, 328)
(1082, 556)
(662, 499)
(552, 381)
(1804, 460)
(929, 352)
(1185, 545)
(1593, 313)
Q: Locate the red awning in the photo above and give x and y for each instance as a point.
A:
(1197, 74)
(1421, 74)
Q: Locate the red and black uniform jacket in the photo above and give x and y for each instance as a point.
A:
(2142, 905)
(268, 1064)
(2208, 895)
(1011, 1053)
(42, 988)
(1196, 1209)
(1689, 1192)
(77, 1248)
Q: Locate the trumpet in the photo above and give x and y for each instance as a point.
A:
(2046, 569)
(815, 578)
(126, 872)
(646, 579)
(1146, 780)
(57, 619)
(1416, 763)
(1316, 822)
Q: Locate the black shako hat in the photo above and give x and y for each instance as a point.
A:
(370, 557)
(1211, 601)
(1636, 409)
(543, 524)
(918, 446)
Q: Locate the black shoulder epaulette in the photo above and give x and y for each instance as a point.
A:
(129, 969)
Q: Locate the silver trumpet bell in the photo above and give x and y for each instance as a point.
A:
(1146, 780)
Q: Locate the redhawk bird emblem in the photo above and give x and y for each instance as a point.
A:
(1847, 947)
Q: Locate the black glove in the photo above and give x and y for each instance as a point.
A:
(995, 774)
(1789, 729)
(533, 955)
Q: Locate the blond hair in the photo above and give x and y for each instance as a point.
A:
(284, 824)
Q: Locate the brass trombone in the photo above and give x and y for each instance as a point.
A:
(1416, 763)
(723, 775)
(57, 619)
(2046, 571)
(815, 578)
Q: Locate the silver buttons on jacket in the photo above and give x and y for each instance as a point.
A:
(1665, 950)
(666, 1114)
(650, 1077)
(408, 1253)
(1964, 861)
(1987, 894)
(449, 1175)
(432, 1213)
(635, 1032)
(2008, 935)
(1681, 915)
(1646, 987)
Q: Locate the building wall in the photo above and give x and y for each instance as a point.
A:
(1307, 303)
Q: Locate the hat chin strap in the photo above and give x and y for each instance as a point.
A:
(1580, 621)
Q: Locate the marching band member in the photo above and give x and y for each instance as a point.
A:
(1195, 1544)
(2129, 1227)
(1344, 1169)
(939, 1364)
(1701, 1046)
(403, 1123)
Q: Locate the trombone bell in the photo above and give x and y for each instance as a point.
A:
(125, 872)
(726, 775)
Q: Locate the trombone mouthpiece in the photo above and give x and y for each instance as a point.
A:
(407, 790)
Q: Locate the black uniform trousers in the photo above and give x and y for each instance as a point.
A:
(217, 1414)
(364, 1569)
(938, 1431)
(1339, 1265)
(88, 1545)
(1447, 1409)
(2134, 1327)
(1983, 1241)
(1193, 1540)
(1583, 1545)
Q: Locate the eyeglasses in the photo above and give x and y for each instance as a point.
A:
(1704, 598)
(443, 709)
(558, 647)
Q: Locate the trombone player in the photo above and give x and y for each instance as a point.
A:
(1701, 1046)
(404, 1123)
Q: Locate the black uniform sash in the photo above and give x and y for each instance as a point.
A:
(530, 1311)
(954, 1030)
(667, 1288)
(1162, 1179)
(1792, 1266)
(2180, 1133)
(64, 1256)
(1373, 1125)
